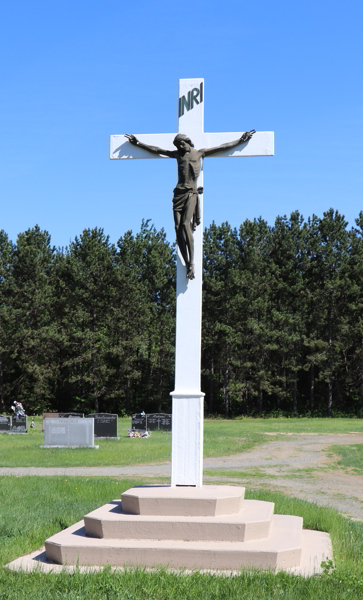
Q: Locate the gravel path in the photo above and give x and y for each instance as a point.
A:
(300, 466)
(281, 465)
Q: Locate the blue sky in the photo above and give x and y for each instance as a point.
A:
(74, 72)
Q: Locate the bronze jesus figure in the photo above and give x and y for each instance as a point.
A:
(186, 194)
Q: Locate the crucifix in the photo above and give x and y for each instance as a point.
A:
(189, 147)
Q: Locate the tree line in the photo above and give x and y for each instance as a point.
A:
(91, 327)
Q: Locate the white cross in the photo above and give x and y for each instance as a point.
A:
(188, 399)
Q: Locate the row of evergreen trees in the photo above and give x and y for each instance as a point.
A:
(92, 327)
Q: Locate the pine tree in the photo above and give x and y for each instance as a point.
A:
(353, 320)
(219, 293)
(254, 311)
(7, 322)
(90, 291)
(31, 306)
(151, 259)
(329, 286)
(288, 263)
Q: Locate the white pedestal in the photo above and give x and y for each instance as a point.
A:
(187, 441)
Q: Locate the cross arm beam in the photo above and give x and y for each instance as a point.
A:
(261, 144)
(121, 148)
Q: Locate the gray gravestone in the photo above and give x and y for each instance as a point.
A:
(5, 424)
(158, 422)
(71, 415)
(19, 424)
(105, 425)
(138, 422)
(71, 433)
(49, 415)
(166, 422)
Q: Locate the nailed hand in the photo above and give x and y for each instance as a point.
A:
(245, 137)
(132, 139)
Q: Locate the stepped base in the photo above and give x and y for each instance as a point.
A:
(191, 535)
(209, 500)
(281, 550)
(253, 522)
(316, 547)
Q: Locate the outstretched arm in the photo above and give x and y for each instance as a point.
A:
(154, 149)
(245, 137)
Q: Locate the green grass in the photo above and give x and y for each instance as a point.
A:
(302, 425)
(25, 451)
(221, 438)
(351, 457)
(34, 508)
(237, 474)
(260, 473)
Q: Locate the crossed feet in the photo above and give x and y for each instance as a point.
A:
(190, 271)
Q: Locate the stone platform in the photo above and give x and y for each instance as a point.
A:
(208, 528)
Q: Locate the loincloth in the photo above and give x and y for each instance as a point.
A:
(182, 196)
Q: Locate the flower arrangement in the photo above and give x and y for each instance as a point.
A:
(18, 409)
(139, 434)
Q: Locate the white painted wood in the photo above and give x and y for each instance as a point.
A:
(187, 440)
(188, 403)
(262, 144)
(120, 147)
(188, 400)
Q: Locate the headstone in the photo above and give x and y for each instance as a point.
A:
(19, 424)
(166, 422)
(71, 433)
(49, 415)
(138, 421)
(159, 422)
(105, 425)
(5, 424)
(71, 415)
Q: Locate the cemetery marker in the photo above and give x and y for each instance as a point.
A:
(5, 424)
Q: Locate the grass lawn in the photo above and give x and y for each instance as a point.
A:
(256, 472)
(34, 508)
(350, 457)
(221, 437)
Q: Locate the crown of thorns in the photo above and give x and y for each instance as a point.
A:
(181, 136)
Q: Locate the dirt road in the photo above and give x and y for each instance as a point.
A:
(297, 464)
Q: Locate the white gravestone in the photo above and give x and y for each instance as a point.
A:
(69, 433)
(188, 399)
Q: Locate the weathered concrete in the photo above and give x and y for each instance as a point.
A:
(251, 537)
(316, 547)
(253, 522)
(282, 549)
(209, 500)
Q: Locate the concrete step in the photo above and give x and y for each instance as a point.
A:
(205, 501)
(316, 547)
(282, 550)
(253, 522)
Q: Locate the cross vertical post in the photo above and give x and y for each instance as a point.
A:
(188, 399)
